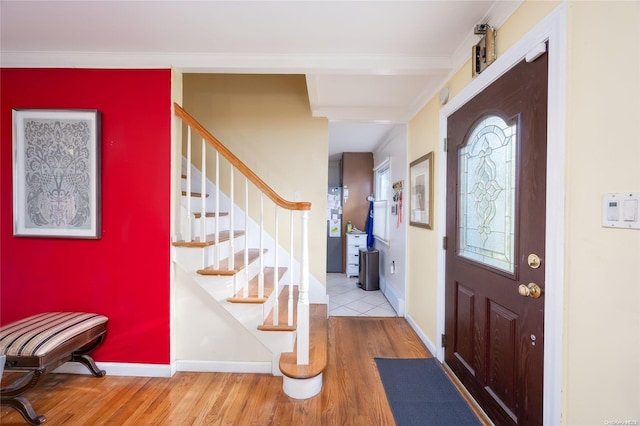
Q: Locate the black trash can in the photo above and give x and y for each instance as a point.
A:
(369, 276)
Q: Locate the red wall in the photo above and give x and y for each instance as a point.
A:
(125, 274)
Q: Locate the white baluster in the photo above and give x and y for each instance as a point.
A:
(261, 254)
(216, 218)
(276, 303)
(245, 288)
(203, 195)
(290, 300)
(189, 236)
(303, 296)
(232, 249)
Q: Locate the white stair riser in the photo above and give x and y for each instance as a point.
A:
(218, 287)
(192, 259)
(195, 258)
(210, 225)
(196, 201)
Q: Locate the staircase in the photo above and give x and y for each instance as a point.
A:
(246, 287)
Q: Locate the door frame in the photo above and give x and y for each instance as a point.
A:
(551, 29)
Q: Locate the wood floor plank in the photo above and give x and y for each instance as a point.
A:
(352, 394)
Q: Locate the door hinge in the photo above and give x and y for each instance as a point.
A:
(446, 144)
(444, 243)
(443, 340)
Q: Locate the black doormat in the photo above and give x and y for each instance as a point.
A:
(420, 393)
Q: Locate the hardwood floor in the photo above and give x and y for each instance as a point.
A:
(352, 392)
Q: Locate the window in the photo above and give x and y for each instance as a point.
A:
(487, 193)
(383, 179)
(381, 205)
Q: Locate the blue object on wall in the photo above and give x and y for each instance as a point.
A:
(370, 227)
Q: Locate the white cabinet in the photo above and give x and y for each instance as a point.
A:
(355, 242)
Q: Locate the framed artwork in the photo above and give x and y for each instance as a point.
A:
(421, 201)
(56, 173)
(396, 208)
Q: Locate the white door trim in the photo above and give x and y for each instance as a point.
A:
(552, 29)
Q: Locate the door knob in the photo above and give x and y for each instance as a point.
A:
(532, 290)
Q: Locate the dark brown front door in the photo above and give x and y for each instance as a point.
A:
(496, 185)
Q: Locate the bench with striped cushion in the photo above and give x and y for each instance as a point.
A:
(41, 343)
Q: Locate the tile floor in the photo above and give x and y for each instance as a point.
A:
(346, 299)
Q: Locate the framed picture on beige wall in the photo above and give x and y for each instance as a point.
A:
(421, 200)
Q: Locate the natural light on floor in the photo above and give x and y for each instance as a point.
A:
(347, 299)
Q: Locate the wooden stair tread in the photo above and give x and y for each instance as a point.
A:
(318, 341)
(238, 264)
(252, 293)
(283, 300)
(195, 194)
(209, 239)
(210, 214)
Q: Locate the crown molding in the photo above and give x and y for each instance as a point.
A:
(229, 63)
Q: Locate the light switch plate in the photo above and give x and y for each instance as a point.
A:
(621, 210)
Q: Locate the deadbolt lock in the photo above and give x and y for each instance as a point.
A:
(534, 261)
(532, 290)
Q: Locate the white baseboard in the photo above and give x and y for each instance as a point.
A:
(427, 342)
(224, 366)
(394, 299)
(168, 370)
(120, 369)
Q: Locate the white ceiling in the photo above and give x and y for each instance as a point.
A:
(365, 62)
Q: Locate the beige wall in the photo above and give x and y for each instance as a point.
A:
(602, 288)
(601, 330)
(265, 120)
(422, 244)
